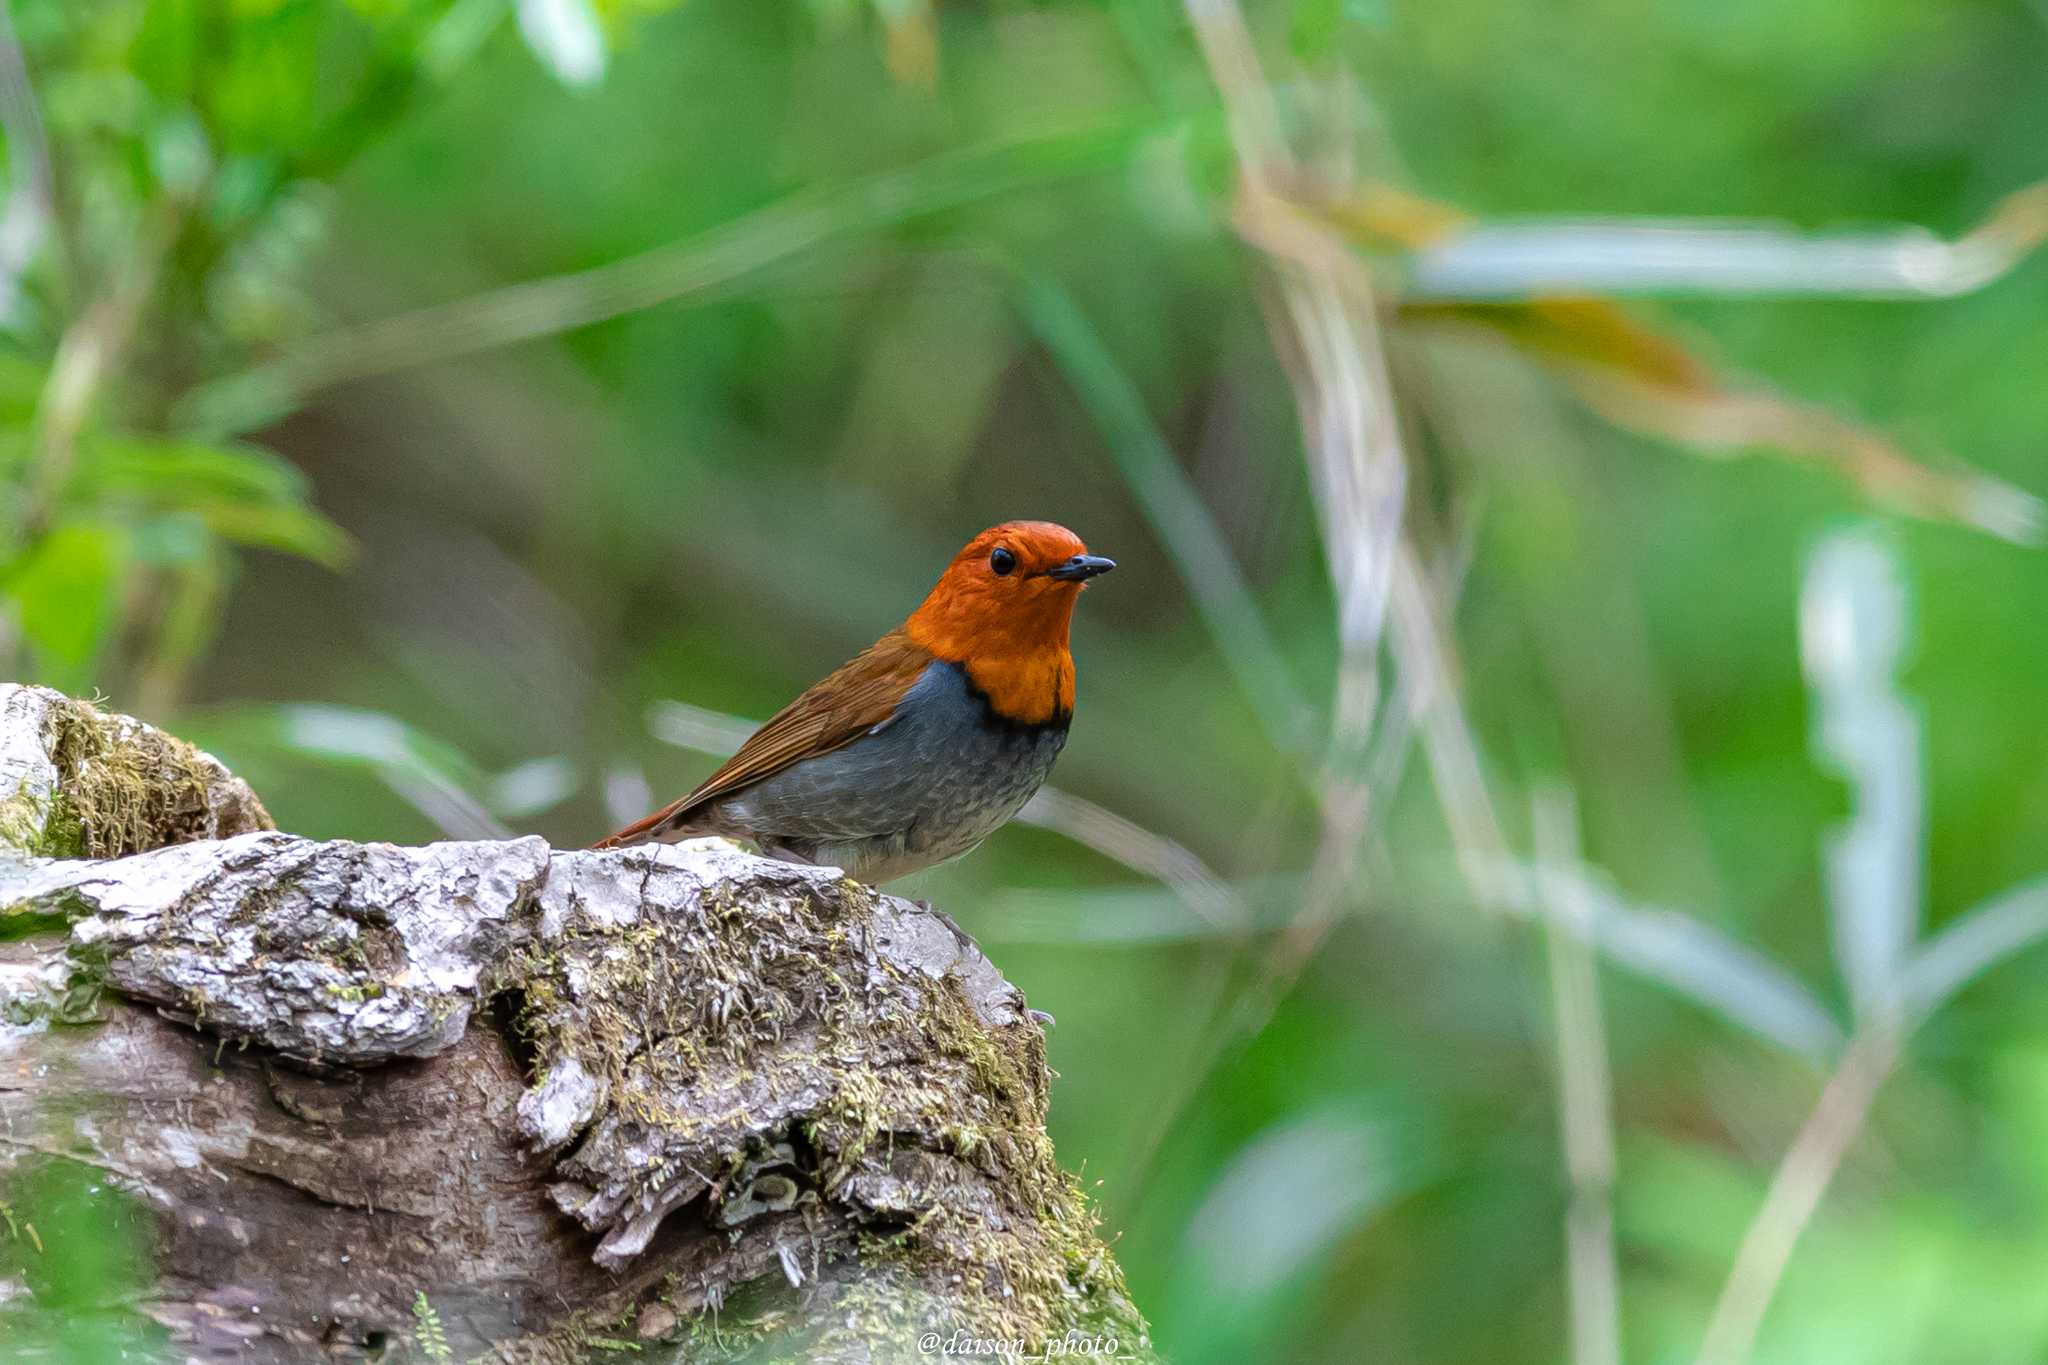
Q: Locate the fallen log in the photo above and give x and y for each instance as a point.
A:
(292, 1099)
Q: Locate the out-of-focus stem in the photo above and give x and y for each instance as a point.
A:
(90, 349)
(1802, 1178)
(1421, 645)
(1326, 331)
(1585, 1102)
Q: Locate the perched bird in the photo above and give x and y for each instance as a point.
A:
(926, 742)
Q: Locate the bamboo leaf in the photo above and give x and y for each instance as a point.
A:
(1645, 380)
(1533, 287)
(1852, 632)
(1682, 953)
(1536, 258)
(428, 773)
(1978, 940)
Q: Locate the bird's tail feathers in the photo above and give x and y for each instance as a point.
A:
(664, 821)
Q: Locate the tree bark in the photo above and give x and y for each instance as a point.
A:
(268, 1098)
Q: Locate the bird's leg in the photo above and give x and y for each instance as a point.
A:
(960, 936)
(966, 941)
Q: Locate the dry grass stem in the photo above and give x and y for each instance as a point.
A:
(1795, 1192)
(1585, 1101)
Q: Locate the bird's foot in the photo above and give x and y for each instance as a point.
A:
(967, 944)
(960, 936)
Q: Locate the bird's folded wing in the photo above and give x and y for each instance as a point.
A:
(855, 698)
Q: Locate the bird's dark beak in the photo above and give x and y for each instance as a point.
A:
(1081, 568)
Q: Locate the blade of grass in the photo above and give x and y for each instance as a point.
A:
(1325, 326)
(1325, 330)
(730, 251)
(1142, 851)
(1174, 508)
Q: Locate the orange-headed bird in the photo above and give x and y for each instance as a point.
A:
(927, 741)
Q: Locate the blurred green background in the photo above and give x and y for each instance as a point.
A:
(915, 268)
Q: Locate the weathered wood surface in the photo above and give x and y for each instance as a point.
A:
(357, 1097)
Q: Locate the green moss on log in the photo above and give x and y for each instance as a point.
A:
(123, 788)
(872, 1095)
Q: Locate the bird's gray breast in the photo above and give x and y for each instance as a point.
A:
(941, 774)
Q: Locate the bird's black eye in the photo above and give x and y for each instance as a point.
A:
(1002, 561)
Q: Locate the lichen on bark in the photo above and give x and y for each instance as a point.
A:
(710, 1103)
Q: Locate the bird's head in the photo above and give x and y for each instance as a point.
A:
(1002, 608)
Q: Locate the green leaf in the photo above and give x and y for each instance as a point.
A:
(67, 588)
(294, 530)
(243, 494)
(184, 470)
(1266, 1229)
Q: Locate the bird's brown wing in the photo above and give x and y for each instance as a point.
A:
(846, 704)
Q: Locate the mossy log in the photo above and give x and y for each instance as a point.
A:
(357, 1101)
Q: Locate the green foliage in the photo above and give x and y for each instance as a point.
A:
(81, 1245)
(428, 1334)
(181, 215)
(66, 584)
(241, 495)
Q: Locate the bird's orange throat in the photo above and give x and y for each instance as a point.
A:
(1016, 657)
(1035, 690)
